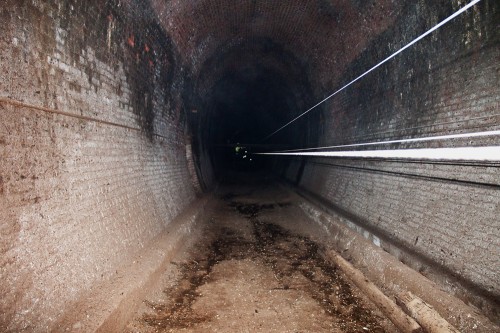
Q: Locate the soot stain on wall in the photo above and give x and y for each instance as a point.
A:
(150, 56)
(134, 39)
(398, 92)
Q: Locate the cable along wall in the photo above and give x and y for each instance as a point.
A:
(411, 151)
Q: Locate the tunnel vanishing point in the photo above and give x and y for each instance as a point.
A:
(120, 120)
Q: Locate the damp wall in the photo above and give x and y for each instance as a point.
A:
(92, 150)
(440, 218)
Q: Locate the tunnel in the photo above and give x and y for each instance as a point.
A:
(249, 166)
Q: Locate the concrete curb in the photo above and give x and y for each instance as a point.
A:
(392, 276)
(112, 303)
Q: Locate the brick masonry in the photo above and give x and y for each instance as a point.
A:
(100, 146)
(445, 217)
(81, 192)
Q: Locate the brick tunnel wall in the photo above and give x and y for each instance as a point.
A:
(97, 101)
(441, 219)
(92, 151)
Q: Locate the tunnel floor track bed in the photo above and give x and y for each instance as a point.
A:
(254, 270)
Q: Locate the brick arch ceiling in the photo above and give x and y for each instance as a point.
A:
(308, 29)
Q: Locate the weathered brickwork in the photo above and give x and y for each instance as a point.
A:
(432, 217)
(447, 84)
(109, 114)
(81, 192)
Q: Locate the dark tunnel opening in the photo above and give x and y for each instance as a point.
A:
(245, 93)
(246, 106)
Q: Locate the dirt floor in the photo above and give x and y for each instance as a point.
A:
(254, 270)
